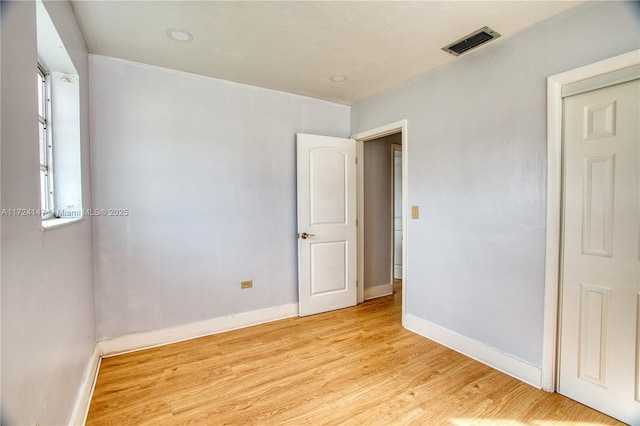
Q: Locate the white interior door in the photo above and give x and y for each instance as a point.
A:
(327, 235)
(599, 357)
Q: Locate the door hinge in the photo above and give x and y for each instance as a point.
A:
(356, 160)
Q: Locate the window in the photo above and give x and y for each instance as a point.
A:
(60, 159)
(46, 148)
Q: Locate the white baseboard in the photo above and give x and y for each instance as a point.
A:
(165, 336)
(378, 291)
(83, 400)
(479, 351)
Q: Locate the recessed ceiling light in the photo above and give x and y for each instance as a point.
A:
(338, 78)
(179, 35)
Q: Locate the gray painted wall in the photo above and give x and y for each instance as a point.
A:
(48, 325)
(476, 162)
(207, 170)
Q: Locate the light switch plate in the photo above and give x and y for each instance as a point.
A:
(415, 212)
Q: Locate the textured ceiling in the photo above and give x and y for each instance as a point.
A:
(296, 46)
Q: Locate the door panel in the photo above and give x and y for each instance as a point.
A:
(597, 208)
(600, 276)
(327, 242)
(328, 267)
(327, 186)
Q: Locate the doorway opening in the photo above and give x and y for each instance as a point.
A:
(396, 210)
(379, 248)
(382, 195)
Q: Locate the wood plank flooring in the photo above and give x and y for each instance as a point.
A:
(355, 366)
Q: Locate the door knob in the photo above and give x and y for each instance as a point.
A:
(304, 235)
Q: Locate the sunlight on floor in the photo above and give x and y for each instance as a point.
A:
(507, 422)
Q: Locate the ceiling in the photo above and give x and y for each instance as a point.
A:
(296, 46)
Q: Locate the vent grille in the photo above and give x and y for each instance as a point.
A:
(470, 41)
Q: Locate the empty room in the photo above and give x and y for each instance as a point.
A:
(320, 212)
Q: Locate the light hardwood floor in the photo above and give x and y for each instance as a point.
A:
(355, 366)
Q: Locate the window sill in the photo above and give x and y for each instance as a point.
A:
(49, 224)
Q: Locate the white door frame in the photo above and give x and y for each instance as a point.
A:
(554, 203)
(378, 132)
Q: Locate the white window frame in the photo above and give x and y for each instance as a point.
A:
(45, 145)
(62, 201)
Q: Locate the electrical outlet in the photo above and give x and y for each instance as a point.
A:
(246, 284)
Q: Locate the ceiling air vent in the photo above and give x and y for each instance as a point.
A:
(470, 41)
